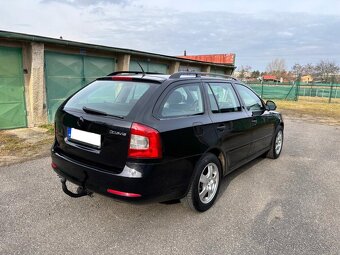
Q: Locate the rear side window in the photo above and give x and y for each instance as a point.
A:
(182, 101)
(223, 98)
(115, 98)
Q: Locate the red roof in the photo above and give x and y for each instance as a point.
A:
(215, 58)
(269, 77)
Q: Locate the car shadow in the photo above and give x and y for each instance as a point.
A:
(226, 180)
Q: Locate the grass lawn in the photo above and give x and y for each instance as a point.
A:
(318, 110)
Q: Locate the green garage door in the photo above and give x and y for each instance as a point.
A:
(67, 73)
(12, 95)
(217, 71)
(187, 68)
(148, 67)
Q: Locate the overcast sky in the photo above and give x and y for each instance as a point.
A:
(256, 31)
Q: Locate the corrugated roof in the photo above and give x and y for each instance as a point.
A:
(214, 58)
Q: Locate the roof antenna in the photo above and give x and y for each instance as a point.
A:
(141, 68)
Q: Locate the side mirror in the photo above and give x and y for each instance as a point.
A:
(270, 105)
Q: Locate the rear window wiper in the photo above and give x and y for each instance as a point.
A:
(93, 111)
(97, 112)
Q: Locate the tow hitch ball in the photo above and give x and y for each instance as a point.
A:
(81, 191)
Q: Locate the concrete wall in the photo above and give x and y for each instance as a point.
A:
(123, 62)
(36, 87)
(174, 67)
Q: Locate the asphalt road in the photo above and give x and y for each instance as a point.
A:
(285, 206)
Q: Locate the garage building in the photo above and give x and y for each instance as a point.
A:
(38, 73)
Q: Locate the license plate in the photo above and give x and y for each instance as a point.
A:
(84, 137)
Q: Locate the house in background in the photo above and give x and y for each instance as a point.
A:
(268, 77)
(307, 78)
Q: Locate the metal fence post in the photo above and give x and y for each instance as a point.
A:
(331, 92)
(297, 88)
(311, 89)
(261, 88)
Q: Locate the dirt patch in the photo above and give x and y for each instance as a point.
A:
(23, 144)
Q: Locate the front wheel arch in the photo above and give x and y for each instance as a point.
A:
(272, 153)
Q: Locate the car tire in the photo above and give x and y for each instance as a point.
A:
(205, 184)
(277, 144)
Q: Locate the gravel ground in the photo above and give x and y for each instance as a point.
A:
(286, 206)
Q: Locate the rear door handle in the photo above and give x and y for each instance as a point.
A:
(253, 122)
(221, 127)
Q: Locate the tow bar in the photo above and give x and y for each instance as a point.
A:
(81, 191)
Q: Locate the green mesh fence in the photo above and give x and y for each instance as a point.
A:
(276, 91)
(320, 90)
(292, 91)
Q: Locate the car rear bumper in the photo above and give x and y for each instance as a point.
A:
(152, 182)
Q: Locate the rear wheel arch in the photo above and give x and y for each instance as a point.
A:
(209, 165)
(221, 157)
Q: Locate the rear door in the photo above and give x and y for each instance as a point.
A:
(231, 124)
(184, 125)
(262, 122)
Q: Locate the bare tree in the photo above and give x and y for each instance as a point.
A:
(244, 71)
(277, 67)
(297, 69)
(309, 69)
(255, 74)
(326, 70)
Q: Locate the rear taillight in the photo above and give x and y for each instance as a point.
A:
(145, 142)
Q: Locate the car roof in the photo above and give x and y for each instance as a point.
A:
(160, 78)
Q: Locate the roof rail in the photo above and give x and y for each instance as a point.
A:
(130, 72)
(200, 74)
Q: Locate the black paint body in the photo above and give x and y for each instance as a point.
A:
(239, 136)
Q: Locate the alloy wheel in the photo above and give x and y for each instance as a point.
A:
(208, 183)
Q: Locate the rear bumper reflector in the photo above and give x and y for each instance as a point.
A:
(54, 165)
(123, 194)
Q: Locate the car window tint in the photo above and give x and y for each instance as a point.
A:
(112, 97)
(226, 98)
(182, 101)
(251, 100)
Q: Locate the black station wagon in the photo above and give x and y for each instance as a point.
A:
(149, 137)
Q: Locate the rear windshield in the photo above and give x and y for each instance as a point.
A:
(115, 98)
